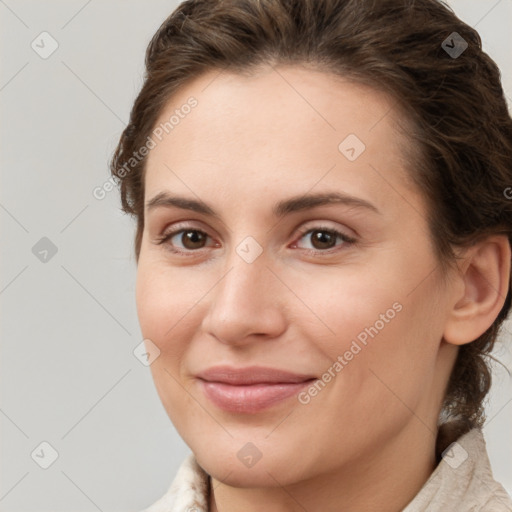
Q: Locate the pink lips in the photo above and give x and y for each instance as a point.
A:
(251, 389)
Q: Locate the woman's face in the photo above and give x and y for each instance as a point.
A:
(263, 271)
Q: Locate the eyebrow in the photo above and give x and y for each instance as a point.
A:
(280, 209)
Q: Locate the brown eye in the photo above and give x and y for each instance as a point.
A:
(184, 240)
(193, 239)
(322, 239)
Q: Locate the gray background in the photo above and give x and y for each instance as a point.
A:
(69, 326)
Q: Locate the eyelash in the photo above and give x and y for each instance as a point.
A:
(190, 252)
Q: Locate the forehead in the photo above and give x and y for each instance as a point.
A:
(280, 128)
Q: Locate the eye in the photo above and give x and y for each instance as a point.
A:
(191, 240)
(322, 239)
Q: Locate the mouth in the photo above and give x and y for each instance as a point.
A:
(250, 390)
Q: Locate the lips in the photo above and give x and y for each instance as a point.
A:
(251, 389)
(251, 375)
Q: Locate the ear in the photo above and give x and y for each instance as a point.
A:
(480, 291)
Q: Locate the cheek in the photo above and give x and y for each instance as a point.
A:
(345, 306)
(165, 309)
(381, 340)
(164, 300)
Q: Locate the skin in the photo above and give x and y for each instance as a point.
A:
(367, 438)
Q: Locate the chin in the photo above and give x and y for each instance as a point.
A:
(226, 463)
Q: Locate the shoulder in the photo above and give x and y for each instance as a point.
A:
(188, 491)
(487, 494)
(463, 481)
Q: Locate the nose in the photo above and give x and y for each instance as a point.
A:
(246, 304)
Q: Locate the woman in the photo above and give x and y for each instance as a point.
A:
(323, 249)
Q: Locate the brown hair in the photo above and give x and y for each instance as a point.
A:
(461, 141)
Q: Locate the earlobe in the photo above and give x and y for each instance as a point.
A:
(485, 277)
